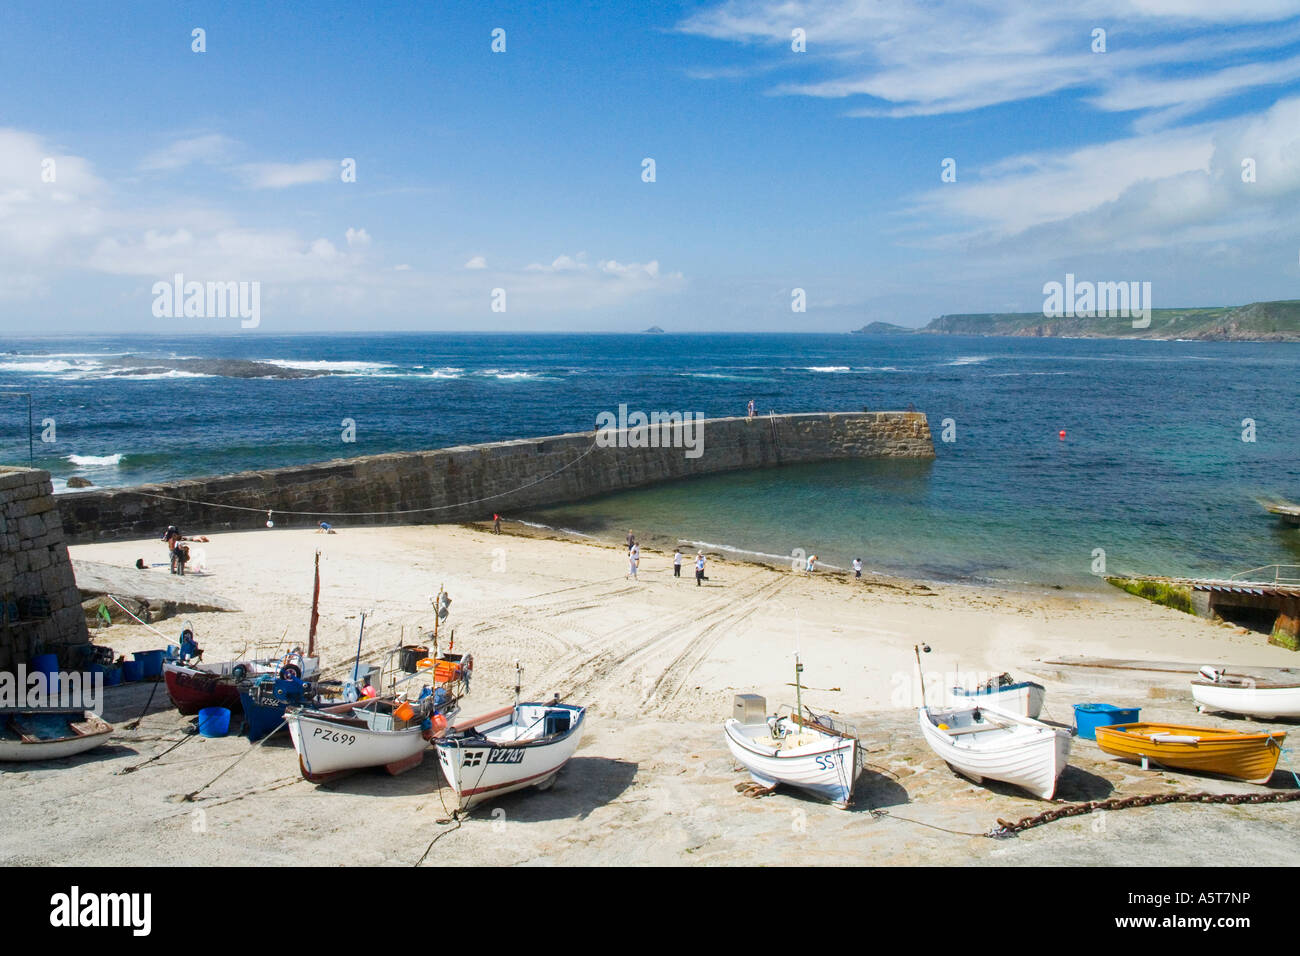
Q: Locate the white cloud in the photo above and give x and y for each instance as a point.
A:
(478, 262)
(283, 175)
(358, 237)
(207, 148)
(898, 58)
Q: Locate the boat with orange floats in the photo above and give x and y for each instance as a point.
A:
(1229, 753)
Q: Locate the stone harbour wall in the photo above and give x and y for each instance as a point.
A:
(40, 605)
(471, 482)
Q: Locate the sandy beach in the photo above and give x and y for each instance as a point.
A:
(657, 661)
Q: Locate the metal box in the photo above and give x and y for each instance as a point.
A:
(750, 709)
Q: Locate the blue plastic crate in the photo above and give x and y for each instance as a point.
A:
(1088, 717)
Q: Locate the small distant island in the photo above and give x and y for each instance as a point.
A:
(1257, 322)
(654, 330)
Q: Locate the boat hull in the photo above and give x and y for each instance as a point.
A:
(330, 745)
(1248, 700)
(1250, 757)
(49, 735)
(1025, 698)
(828, 770)
(1032, 759)
(480, 770)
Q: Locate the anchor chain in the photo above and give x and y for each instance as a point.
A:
(1006, 828)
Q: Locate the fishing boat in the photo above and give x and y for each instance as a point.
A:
(1216, 689)
(1249, 756)
(804, 752)
(526, 745)
(1004, 693)
(984, 743)
(48, 733)
(193, 685)
(812, 753)
(383, 732)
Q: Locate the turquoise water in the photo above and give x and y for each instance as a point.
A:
(1153, 469)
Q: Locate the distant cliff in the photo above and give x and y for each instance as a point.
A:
(1257, 322)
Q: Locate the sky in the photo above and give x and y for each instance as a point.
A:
(795, 146)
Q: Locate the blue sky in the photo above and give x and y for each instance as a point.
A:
(521, 170)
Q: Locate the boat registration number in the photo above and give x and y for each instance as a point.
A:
(505, 756)
(830, 761)
(334, 736)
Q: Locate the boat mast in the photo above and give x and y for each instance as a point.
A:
(315, 612)
(920, 671)
(519, 675)
(356, 667)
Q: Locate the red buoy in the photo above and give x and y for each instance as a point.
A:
(1062, 434)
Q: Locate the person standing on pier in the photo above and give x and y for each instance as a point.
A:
(750, 409)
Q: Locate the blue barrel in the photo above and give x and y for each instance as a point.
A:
(214, 721)
(112, 676)
(45, 663)
(1088, 717)
(151, 662)
(132, 671)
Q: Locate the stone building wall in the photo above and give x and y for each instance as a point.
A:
(470, 482)
(40, 606)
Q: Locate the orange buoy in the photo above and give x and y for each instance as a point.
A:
(1061, 434)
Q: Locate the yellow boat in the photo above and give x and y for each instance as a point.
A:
(1201, 749)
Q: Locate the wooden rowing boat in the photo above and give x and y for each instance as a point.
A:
(45, 734)
(1216, 689)
(1249, 756)
(983, 743)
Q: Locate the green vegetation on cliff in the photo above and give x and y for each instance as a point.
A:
(1259, 321)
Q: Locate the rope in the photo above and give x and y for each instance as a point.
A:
(369, 514)
(189, 797)
(124, 608)
(148, 703)
(187, 736)
(921, 823)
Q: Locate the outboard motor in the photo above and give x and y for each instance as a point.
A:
(293, 666)
(1211, 673)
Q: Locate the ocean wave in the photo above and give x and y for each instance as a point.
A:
(95, 461)
(359, 368)
(969, 360)
(152, 376)
(46, 366)
(504, 376)
(827, 368)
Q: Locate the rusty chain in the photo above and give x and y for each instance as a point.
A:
(1006, 828)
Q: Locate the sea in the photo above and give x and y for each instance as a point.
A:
(1058, 460)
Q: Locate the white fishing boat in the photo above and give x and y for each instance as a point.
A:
(378, 732)
(803, 752)
(49, 733)
(526, 745)
(1003, 693)
(1216, 689)
(986, 744)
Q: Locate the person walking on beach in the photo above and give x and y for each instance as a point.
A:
(677, 563)
(750, 409)
(496, 524)
(633, 560)
(699, 569)
(812, 564)
(857, 567)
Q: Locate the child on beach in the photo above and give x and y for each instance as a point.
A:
(677, 563)
(857, 567)
(633, 559)
(699, 569)
(326, 528)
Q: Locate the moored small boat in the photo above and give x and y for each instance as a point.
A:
(377, 732)
(808, 753)
(46, 734)
(1244, 756)
(526, 745)
(193, 686)
(1242, 694)
(1005, 694)
(983, 743)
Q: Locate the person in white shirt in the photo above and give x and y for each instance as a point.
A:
(633, 559)
(677, 563)
(857, 567)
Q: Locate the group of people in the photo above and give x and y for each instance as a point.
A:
(634, 561)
